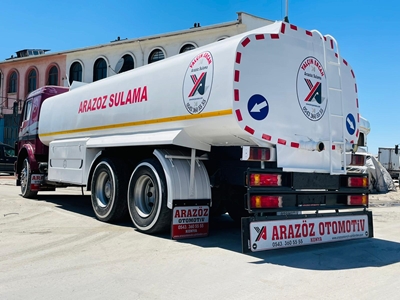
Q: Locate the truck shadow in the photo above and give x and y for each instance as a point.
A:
(353, 254)
(80, 204)
(335, 256)
(226, 234)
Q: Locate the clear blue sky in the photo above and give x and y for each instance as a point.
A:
(367, 32)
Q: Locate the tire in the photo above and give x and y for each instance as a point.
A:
(26, 173)
(147, 198)
(109, 188)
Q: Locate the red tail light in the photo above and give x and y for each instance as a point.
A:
(265, 180)
(357, 160)
(265, 201)
(256, 154)
(357, 200)
(260, 154)
(357, 182)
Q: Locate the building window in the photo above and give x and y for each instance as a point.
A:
(32, 81)
(53, 76)
(100, 69)
(187, 47)
(12, 84)
(127, 63)
(75, 72)
(156, 55)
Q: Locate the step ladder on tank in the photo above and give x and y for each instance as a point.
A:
(335, 95)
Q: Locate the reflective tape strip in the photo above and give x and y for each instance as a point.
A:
(281, 141)
(144, 122)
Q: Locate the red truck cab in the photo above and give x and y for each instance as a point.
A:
(31, 151)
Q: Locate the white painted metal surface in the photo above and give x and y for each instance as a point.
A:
(265, 87)
(389, 160)
(70, 161)
(171, 137)
(267, 235)
(177, 175)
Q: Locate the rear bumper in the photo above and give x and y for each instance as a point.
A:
(274, 232)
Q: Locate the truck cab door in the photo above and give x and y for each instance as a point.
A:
(26, 115)
(30, 117)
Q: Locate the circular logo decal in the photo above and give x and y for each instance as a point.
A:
(197, 82)
(310, 88)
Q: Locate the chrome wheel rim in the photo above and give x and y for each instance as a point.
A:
(104, 190)
(145, 194)
(24, 177)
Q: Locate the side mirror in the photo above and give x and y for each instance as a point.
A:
(396, 149)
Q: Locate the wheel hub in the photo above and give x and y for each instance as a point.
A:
(104, 190)
(145, 195)
(107, 189)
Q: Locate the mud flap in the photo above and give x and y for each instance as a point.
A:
(36, 182)
(266, 233)
(190, 218)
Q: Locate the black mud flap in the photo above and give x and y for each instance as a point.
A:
(274, 232)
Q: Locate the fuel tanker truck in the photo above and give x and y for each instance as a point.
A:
(261, 126)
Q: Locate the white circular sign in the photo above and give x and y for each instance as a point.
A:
(311, 87)
(197, 82)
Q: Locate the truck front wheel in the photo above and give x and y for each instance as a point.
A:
(26, 180)
(109, 185)
(147, 198)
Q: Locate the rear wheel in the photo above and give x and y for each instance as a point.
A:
(147, 198)
(26, 180)
(109, 187)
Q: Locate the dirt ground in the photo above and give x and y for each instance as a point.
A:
(387, 199)
(391, 198)
(54, 248)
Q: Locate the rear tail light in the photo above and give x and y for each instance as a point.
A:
(357, 160)
(256, 153)
(265, 180)
(260, 153)
(357, 200)
(265, 201)
(357, 181)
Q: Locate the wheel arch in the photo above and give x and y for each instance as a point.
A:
(26, 151)
(97, 158)
(123, 153)
(177, 175)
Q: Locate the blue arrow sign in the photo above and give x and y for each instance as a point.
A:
(350, 124)
(258, 107)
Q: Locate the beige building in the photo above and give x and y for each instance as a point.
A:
(34, 68)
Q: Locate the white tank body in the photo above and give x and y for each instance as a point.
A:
(161, 100)
(277, 85)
